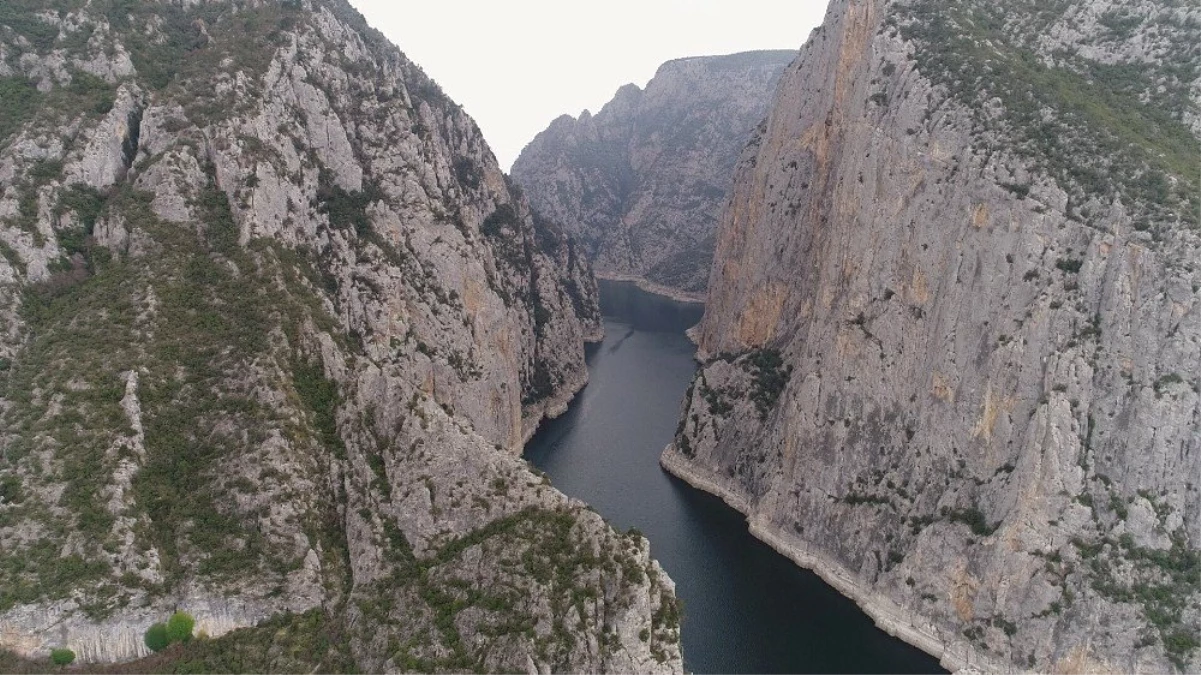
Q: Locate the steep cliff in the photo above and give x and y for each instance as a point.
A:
(642, 183)
(953, 338)
(273, 329)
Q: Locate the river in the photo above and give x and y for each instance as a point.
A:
(747, 609)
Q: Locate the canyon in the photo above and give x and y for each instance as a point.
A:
(276, 329)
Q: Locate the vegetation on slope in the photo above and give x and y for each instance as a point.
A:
(1100, 130)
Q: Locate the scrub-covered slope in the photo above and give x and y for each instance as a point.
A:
(953, 335)
(273, 329)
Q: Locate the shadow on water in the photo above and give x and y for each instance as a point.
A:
(747, 609)
(617, 344)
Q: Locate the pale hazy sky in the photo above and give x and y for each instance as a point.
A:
(515, 65)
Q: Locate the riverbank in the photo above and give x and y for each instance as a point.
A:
(653, 288)
(533, 416)
(952, 652)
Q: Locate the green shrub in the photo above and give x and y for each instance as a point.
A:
(179, 627)
(345, 209)
(62, 656)
(1069, 265)
(86, 201)
(974, 518)
(91, 93)
(1179, 645)
(1117, 506)
(770, 375)
(1134, 143)
(496, 222)
(10, 490)
(46, 170)
(1009, 627)
(156, 637)
(1166, 381)
(20, 99)
(321, 397)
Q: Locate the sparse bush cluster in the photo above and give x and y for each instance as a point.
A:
(715, 398)
(770, 376)
(321, 397)
(971, 516)
(177, 629)
(285, 643)
(346, 210)
(502, 228)
(62, 656)
(1160, 581)
(495, 224)
(21, 17)
(1116, 115)
(540, 545)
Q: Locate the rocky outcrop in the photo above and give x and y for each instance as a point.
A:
(274, 329)
(951, 343)
(642, 182)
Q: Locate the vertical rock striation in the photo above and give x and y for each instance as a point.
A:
(952, 345)
(274, 327)
(642, 182)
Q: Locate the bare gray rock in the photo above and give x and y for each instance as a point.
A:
(275, 328)
(952, 341)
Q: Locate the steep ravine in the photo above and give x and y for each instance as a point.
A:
(953, 335)
(274, 328)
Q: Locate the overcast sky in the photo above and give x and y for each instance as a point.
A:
(515, 65)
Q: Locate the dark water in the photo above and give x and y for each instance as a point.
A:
(747, 609)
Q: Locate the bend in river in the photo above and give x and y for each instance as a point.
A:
(746, 607)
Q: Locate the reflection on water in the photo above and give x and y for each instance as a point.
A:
(747, 609)
(645, 311)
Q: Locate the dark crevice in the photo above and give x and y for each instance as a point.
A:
(129, 147)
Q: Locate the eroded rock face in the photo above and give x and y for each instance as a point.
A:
(642, 182)
(953, 336)
(275, 327)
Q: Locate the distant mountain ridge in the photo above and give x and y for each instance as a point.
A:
(642, 182)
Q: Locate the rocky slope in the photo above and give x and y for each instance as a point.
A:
(273, 329)
(642, 183)
(953, 339)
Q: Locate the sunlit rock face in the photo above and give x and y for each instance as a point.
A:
(951, 342)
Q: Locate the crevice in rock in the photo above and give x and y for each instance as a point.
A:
(129, 147)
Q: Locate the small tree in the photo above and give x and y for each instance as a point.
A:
(156, 637)
(179, 627)
(62, 656)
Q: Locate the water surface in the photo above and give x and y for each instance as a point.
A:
(747, 609)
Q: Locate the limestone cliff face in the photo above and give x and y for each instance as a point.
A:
(953, 338)
(274, 329)
(642, 183)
